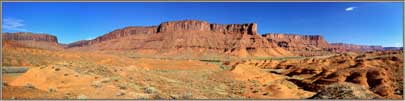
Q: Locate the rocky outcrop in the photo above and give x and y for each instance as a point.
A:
(18, 36)
(345, 91)
(342, 47)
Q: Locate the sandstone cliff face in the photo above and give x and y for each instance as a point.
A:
(184, 25)
(300, 44)
(235, 28)
(127, 31)
(194, 25)
(188, 38)
(32, 40)
(297, 41)
(342, 47)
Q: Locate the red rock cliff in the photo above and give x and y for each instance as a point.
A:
(235, 28)
(295, 41)
(184, 25)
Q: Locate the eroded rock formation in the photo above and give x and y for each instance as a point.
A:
(299, 44)
(379, 71)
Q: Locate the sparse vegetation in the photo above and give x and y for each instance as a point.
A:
(188, 95)
(150, 90)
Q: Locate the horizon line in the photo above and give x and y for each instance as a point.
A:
(257, 33)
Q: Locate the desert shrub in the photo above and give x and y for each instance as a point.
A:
(150, 90)
(223, 67)
(187, 95)
(50, 90)
(68, 96)
(122, 86)
(255, 91)
(345, 91)
(57, 69)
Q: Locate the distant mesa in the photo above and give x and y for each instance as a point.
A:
(31, 40)
(342, 47)
(393, 48)
(29, 36)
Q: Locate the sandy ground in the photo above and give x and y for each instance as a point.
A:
(84, 75)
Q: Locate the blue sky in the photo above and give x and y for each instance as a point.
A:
(364, 23)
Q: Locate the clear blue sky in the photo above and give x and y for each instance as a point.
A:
(356, 22)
